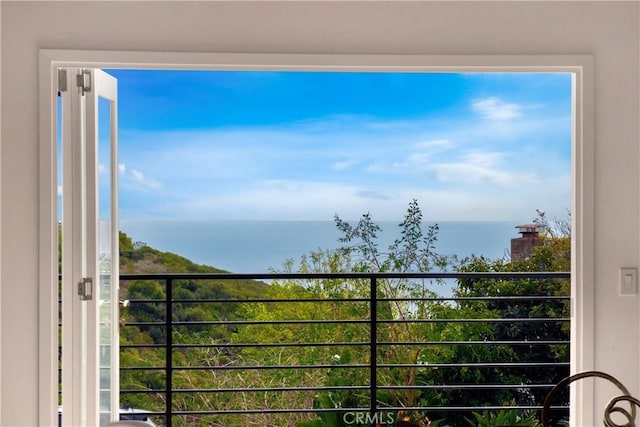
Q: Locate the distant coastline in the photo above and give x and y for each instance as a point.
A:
(259, 246)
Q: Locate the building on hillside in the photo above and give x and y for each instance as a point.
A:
(521, 247)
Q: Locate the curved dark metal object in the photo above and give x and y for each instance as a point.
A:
(611, 408)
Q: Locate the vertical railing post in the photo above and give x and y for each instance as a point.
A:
(373, 356)
(169, 353)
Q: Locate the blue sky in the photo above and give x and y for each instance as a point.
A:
(221, 145)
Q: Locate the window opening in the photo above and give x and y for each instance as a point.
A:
(254, 172)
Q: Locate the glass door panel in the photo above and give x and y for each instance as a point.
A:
(90, 370)
(107, 292)
(102, 165)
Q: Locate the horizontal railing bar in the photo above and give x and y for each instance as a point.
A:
(424, 275)
(332, 300)
(143, 346)
(500, 320)
(343, 409)
(494, 298)
(267, 411)
(249, 300)
(471, 408)
(340, 388)
(143, 368)
(381, 365)
(537, 342)
(381, 409)
(477, 365)
(144, 324)
(466, 387)
(358, 366)
(269, 322)
(364, 300)
(355, 387)
(147, 413)
(266, 367)
(289, 344)
(270, 389)
(343, 344)
(270, 300)
(247, 389)
(347, 321)
(146, 301)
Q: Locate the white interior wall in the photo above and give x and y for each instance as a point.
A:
(0, 216)
(607, 30)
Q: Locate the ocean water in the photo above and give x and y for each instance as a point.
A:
(259, 246)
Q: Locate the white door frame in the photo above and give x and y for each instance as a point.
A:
(583, 172)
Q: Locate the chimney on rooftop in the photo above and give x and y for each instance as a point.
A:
(523, 246)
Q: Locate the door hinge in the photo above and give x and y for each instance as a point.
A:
(83, 81)
(62, 80)
(85, 289)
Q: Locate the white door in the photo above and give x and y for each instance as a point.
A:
(90, 335)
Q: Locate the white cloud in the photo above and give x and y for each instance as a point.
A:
(145, 182)
(434, 144)
(495, 109)
(464, 170)
(467, 192)
(377, 167)
(477, 167)
(344, 165)
(133, 178)
(419, 158)
(137, 176)
(289, 200)
(469, 172)
(465, 167)
(425, 153)
(59, 190)
(297, 200)
(491, 159)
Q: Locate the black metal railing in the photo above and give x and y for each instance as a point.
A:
(376, 379)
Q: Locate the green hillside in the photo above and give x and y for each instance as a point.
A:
(139, 258)
(145, 303)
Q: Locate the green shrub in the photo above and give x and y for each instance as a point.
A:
(504, 418)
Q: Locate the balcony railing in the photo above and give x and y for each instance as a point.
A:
(366, 355)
